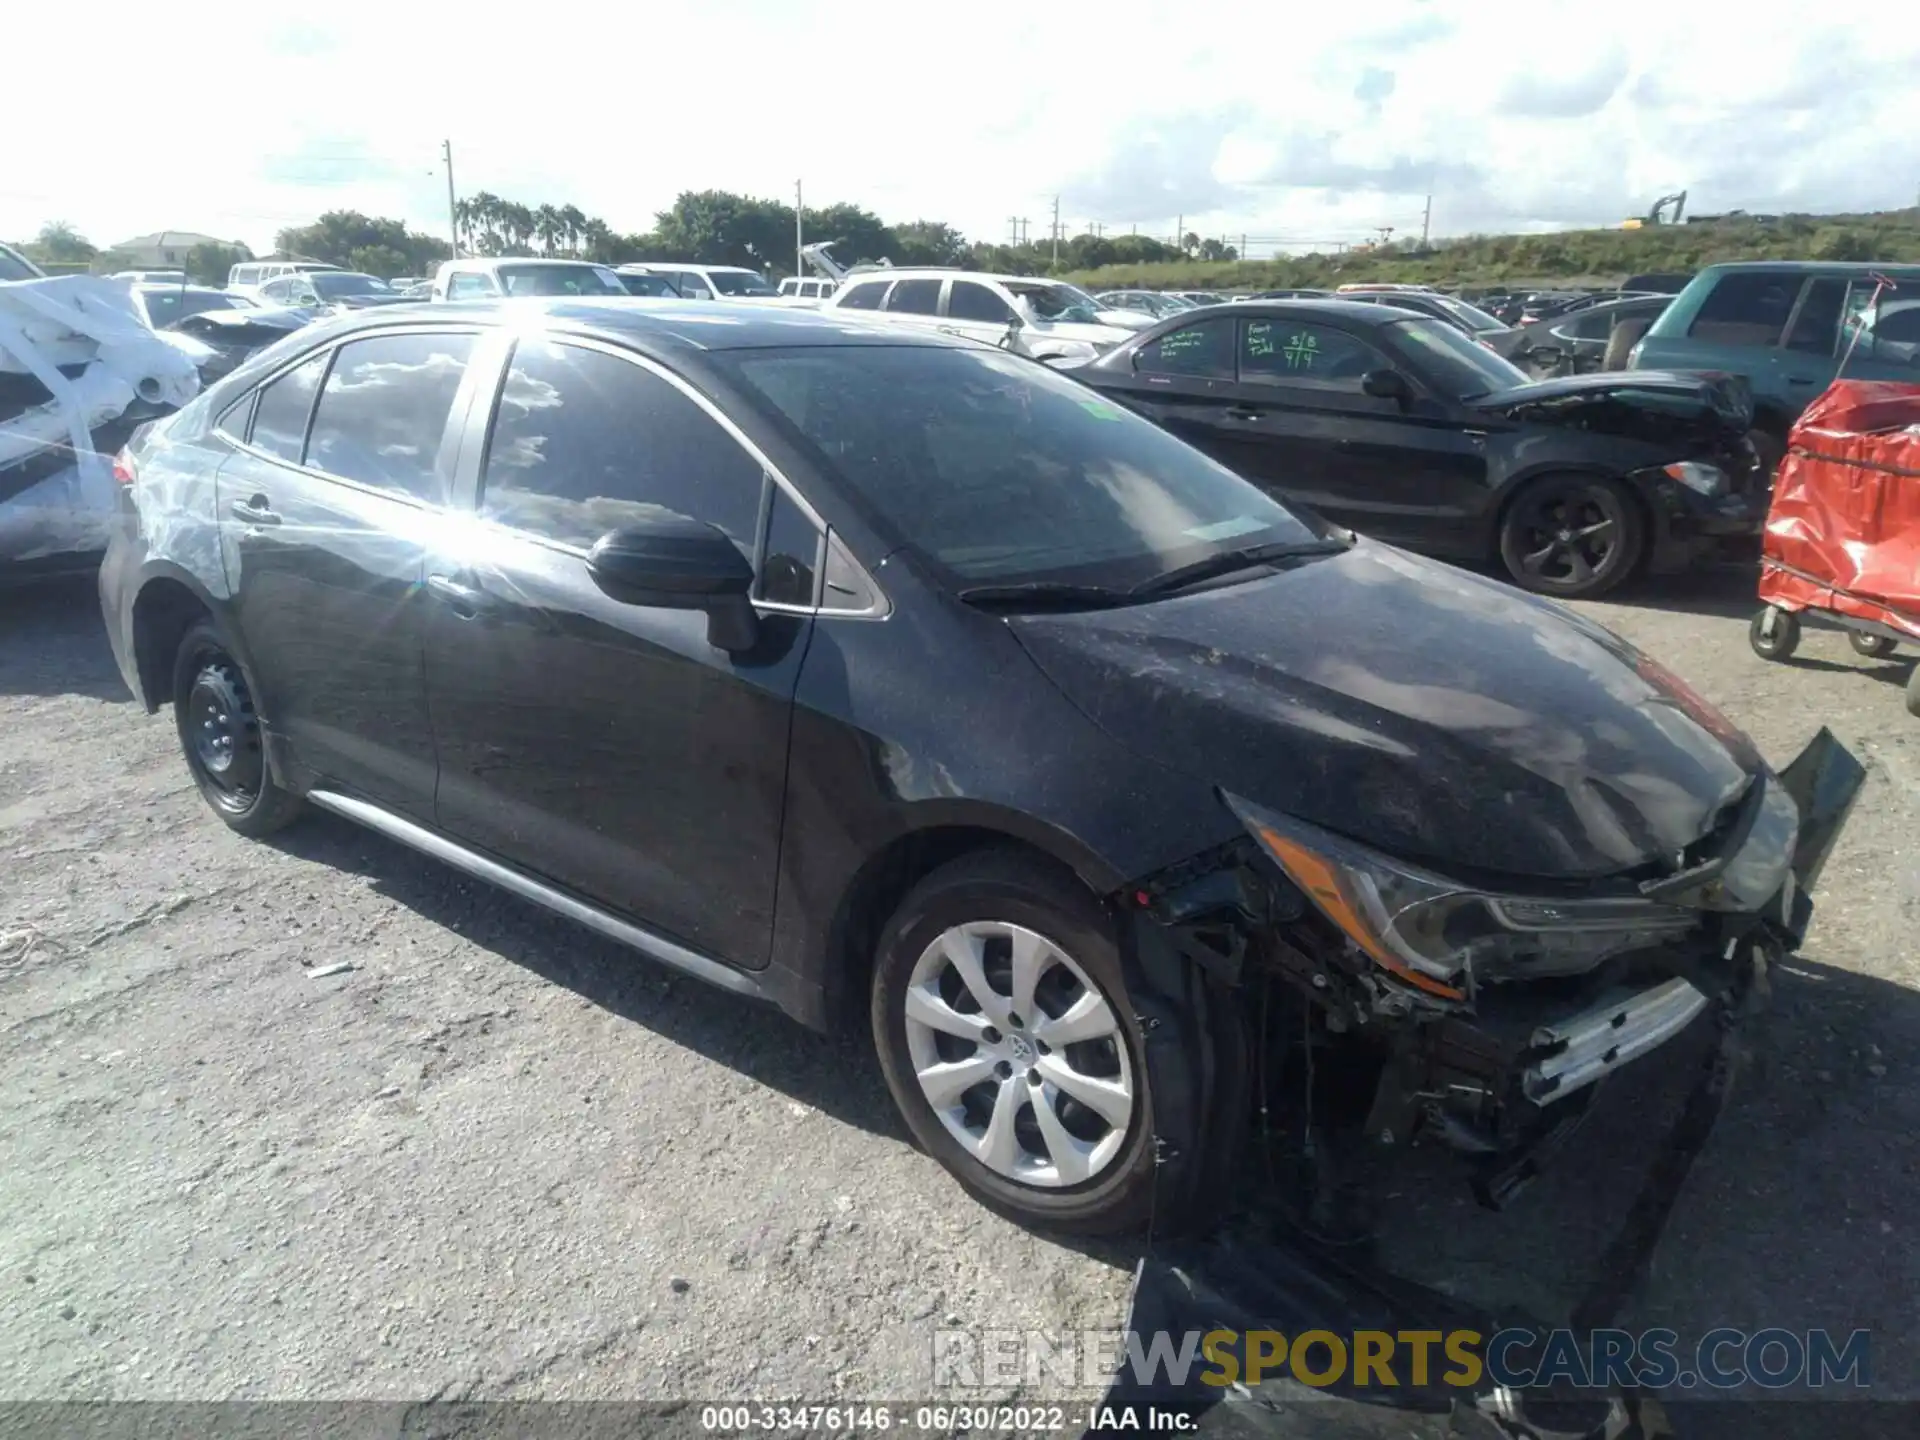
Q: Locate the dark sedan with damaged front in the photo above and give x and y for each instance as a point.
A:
(1404, 428)
(893, 679)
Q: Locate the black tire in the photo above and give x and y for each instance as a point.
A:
(1774, 633)
(220, 736)
(1620, 340)
(1874, 647)
(1572, 536)
(999, 886)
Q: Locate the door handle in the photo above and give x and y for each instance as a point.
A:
(256, 511)
(1241, 412)
(464, 600)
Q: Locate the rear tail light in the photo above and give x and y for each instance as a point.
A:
(125, 472)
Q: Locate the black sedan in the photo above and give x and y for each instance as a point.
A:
(1404, 428)
(901, 682)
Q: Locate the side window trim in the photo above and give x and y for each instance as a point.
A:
(468, 481)
(828, 546)
(332, 351)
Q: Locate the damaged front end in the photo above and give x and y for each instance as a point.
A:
(1491, 1013)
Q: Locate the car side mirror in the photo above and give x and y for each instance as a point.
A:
(674, 563)
(1386, 385)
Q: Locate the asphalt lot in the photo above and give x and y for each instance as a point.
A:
(500, 1157)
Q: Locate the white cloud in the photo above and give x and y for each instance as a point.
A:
(1277, 122)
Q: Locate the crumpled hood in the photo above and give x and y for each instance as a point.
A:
(1722, 401)
(1417, 708)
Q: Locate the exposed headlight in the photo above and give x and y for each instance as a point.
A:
(1440, 936)
(1698, 476)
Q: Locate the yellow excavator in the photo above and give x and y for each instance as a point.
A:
(1658, 214)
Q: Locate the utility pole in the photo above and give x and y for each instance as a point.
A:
(453, 208)
(1243, 244)
(799, 232)
(1013, 230)
(1426, 221)
(1056, 229)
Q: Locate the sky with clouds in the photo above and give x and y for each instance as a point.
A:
(1289, 123)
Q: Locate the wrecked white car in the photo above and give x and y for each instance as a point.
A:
(80, 371)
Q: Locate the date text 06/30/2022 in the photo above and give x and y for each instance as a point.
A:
(940, 1419)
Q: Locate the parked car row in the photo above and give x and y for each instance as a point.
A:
(853, 665)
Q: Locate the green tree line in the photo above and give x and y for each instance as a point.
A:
(717, 227)
(711, 227)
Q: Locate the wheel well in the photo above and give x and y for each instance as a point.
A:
(1634, 497)
(876, 892)
(161, 614)
(1774, 422)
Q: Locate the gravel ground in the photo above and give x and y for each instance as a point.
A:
(502, 1158)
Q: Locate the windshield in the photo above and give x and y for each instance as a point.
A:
(1472, 316)
(1460, 367)
(996, 470)
(333, 286)
(165, 307)
(740, 282)
(1059, 302)
(559, 280)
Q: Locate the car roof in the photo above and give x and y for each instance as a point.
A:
(681, 324)
(1357, 312)
(1861, 268)
(939, 272)
(492, 262)
(162, 287)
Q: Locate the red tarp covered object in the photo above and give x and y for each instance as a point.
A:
(1843, 532)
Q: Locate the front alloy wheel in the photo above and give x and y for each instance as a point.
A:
(1018, 1054)
(1573, 536)
(1002, 1023)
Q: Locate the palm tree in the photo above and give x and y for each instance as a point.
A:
(546, 228)
(573, 227)
(516, 227)
(483, 218)
(598, 238)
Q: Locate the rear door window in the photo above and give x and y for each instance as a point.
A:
(1202, 350)
(915, 297)
(384, 410)
(280, 415)
(866, 295)
(1747, 307)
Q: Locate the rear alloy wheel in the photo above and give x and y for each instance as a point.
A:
(1008, 1042)
(1874, 647)
(1571, 536)
(220, 736)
